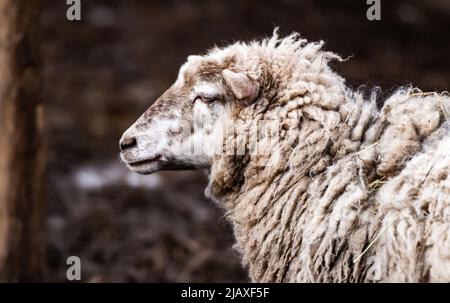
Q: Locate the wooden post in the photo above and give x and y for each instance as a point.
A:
(21, 143)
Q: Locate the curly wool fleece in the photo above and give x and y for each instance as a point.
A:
(350, 192)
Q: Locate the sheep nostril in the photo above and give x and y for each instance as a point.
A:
(127, 143)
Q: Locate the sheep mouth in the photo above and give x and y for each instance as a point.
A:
(145, 162)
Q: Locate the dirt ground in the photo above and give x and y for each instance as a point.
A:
(102, 72)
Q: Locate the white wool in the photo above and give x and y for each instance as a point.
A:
(350, 192)
(338, 190)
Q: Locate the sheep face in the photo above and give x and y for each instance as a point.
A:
(183, 127)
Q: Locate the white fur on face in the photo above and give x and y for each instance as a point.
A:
(207, 89)
(203, 127)
(192, 63)
(152, 141)
(185, 139)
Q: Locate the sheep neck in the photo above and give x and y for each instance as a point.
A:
(265, 202)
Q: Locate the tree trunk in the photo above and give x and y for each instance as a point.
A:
(21, 141)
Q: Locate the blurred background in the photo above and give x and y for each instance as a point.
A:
(102, 72)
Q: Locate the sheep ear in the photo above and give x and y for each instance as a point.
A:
(243, 87)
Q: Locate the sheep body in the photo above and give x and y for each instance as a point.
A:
(350, 192)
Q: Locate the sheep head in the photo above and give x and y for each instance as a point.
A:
(184, 127)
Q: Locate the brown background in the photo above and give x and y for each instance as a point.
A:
(102, 72)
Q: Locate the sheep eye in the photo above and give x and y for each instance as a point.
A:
(205, 99)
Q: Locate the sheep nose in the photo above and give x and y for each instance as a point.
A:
(127, 142)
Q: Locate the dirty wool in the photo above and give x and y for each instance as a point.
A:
(340, 187)
(352, 191)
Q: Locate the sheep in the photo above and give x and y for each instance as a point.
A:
(320, 184)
